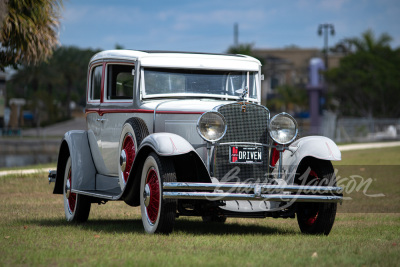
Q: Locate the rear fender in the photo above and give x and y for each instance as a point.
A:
(319, 147)
(76, 145)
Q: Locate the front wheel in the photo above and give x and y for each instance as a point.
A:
(76, 207)
(158, 214)
(316, 218)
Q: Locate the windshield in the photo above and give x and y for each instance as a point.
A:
(203, 83)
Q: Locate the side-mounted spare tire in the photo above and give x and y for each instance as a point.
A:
(133, 132)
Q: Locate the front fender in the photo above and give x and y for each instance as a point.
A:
(75, 144)
(167, 144)
(319, 147)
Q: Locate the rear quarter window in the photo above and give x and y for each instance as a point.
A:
(95, 83)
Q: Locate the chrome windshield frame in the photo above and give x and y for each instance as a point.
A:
(255, 99)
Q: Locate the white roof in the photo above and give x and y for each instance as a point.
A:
(183, 59)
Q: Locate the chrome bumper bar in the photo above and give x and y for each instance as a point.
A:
(264, 192)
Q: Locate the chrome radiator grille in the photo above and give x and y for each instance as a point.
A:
(249, 126)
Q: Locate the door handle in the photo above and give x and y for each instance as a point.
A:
(101, 120)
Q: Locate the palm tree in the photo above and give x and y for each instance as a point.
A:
(368, 42)
(28, 31)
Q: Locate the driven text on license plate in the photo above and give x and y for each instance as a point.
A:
(239, 154)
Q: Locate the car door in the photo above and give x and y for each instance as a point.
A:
(116, 107)
(93, 118)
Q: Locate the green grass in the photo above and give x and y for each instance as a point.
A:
(33, 232)
(370, 172)
(383, 156)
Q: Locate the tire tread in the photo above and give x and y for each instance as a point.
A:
(326, 211)
(168, 206)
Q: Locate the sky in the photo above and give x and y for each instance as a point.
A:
(208, 25)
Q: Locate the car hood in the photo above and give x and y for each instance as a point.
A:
(184, 105)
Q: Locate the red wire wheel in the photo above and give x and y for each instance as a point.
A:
(153, 184)
(311, 220)
(76, 206)
(158, 214)
(316, 217)
(130, 151)
(72, 196)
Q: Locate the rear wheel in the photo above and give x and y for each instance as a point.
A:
(76, 207)
(158, 214)
(316, 218)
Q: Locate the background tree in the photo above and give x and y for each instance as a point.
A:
(290, 99)
(49, 87)
(366, 83)
(28, 31)
(368, 42)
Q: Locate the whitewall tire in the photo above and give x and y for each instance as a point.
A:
(158, 214)
(76, 207)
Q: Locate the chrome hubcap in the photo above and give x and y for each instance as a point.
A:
(146, 195)
(68, 189)
(122, 160)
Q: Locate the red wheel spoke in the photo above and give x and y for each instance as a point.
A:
(311, 220)
(130, 150)
(154, 205)
(72, 196)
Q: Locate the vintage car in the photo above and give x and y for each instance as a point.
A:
(184, 134)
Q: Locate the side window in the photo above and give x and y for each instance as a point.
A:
(120, 81)
(95, 90)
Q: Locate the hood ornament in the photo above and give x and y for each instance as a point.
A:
(243, 93)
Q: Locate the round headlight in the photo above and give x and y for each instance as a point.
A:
(283, 128)
(211, 126)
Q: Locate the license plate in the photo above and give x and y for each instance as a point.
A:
(249, 155)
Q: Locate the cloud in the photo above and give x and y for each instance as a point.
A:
(324, 5)
(189, 20)
(333, 4)
(93, 14)
(75, 15)
(208, 25)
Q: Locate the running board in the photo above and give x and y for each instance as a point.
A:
(99, 194)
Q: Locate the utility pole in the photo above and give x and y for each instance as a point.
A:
(326, 29)
(236, 35)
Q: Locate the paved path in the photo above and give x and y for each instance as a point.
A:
(28, 171)
(342, 148)
(368, 146)
(58, 129)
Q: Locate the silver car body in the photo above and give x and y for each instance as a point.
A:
(171, 120)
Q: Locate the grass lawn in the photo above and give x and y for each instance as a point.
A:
(33, 230)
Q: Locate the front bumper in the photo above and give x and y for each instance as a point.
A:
(261, 192)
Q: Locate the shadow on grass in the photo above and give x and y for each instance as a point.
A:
(200, 228)
(183, 226)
